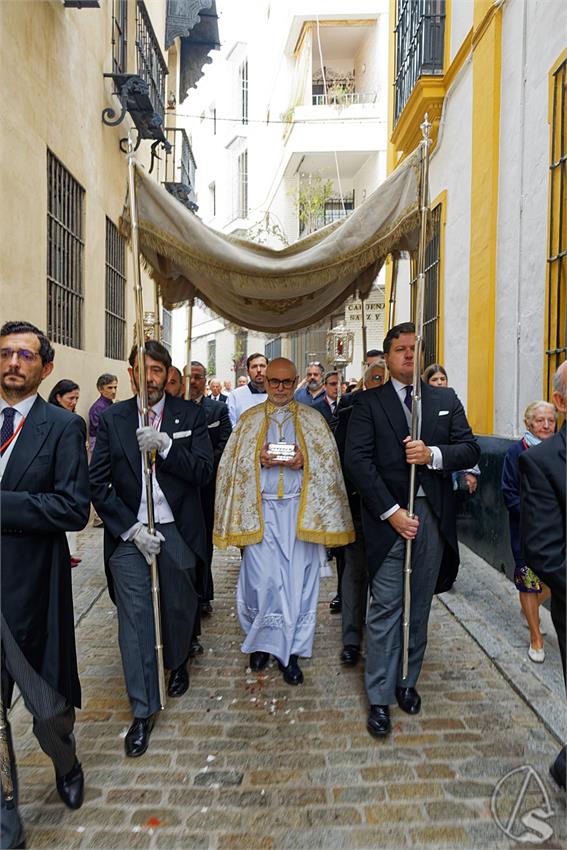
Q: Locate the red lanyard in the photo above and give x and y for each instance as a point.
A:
(13, 437)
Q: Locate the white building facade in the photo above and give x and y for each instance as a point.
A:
(289, 128)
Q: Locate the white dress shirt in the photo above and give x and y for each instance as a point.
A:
(162, 510)
(22, 409)
(437, 459)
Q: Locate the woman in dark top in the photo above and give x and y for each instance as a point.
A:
(539, 419)
(65, 394)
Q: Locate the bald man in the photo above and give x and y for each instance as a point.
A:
(284, 524)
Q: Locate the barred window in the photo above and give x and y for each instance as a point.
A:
(115, 303)
(119, 36)
(242, 199)
(420, 32)
(243, 79)
(166, 328)
(211, 357)
(65, 247)
(556, 295)
(431, 290)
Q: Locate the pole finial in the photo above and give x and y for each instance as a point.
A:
(425, 128)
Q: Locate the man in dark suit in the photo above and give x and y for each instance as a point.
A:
(216, 394)
(354, 580)
(178, 440)
(542, 524)
(327, 404)
(378, 453)
(219, 428)
(44, 493)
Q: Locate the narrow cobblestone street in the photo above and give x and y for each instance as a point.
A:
(244, 761)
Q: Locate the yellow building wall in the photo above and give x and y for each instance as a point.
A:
(486, 69)
(51, 65)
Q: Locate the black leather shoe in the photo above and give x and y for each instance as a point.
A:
(196, 648)
(259, 660)
(138, 737)
(335, 605)
(292, 673)
(350, 655)
(206, 609)
(378, 722)
(71, 787)
(409, 700)
(178, 681)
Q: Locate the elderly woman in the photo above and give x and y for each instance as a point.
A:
(539, 419)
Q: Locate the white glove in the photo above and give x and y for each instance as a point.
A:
(148, 544)
(149, 439)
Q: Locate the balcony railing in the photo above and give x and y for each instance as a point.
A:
(420, 32)
(179, 176)
(343, 99)
(152, 67)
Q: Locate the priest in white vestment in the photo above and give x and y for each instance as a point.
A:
(281, 497)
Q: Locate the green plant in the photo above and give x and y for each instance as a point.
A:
(264, 230)
(310, 199)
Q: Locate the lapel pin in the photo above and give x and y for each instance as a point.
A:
(177, 421)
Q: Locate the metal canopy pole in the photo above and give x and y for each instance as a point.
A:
(363, 330)
(143, 390)
(187, 369)
(416, 404)
(393, 293)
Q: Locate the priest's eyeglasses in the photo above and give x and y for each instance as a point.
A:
(21, 353)
(287, 383)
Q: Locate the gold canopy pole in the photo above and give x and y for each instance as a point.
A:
(187, 369)
(363, 330)
(393, 293)
(143, 390)
(416, 404)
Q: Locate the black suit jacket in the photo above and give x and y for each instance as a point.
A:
(542, 520)
(222, 397)
(218, 427)
(325, 410)
(375, 460)
(116, 470)
(45, 492)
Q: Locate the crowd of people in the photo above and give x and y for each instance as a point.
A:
(292, 472)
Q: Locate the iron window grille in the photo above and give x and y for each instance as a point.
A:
(166, 328)
(420, 31)
(211, 357)
(242, 186)
(431, 290)
(65, 250)
(243, 79)
(152, 67)
(119, 36)
(115, 302)
(556, 319)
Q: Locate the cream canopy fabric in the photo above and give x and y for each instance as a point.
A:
(275, 290)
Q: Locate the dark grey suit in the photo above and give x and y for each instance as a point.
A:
(375, 462)
(116, 489)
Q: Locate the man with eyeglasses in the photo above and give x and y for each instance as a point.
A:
(44, 493)
(280, 496)
(252, 393)
(313, 389)
(327, 404)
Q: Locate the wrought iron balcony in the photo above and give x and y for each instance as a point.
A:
(179, 176)
(343, 99)
(420, 31)
(142, 95)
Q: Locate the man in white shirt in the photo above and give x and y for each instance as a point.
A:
(243, 398)
(178, 440)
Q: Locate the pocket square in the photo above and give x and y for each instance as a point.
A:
(214, 424)
(177, 434)
(443, 413)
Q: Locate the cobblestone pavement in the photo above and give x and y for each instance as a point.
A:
(245, 761)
